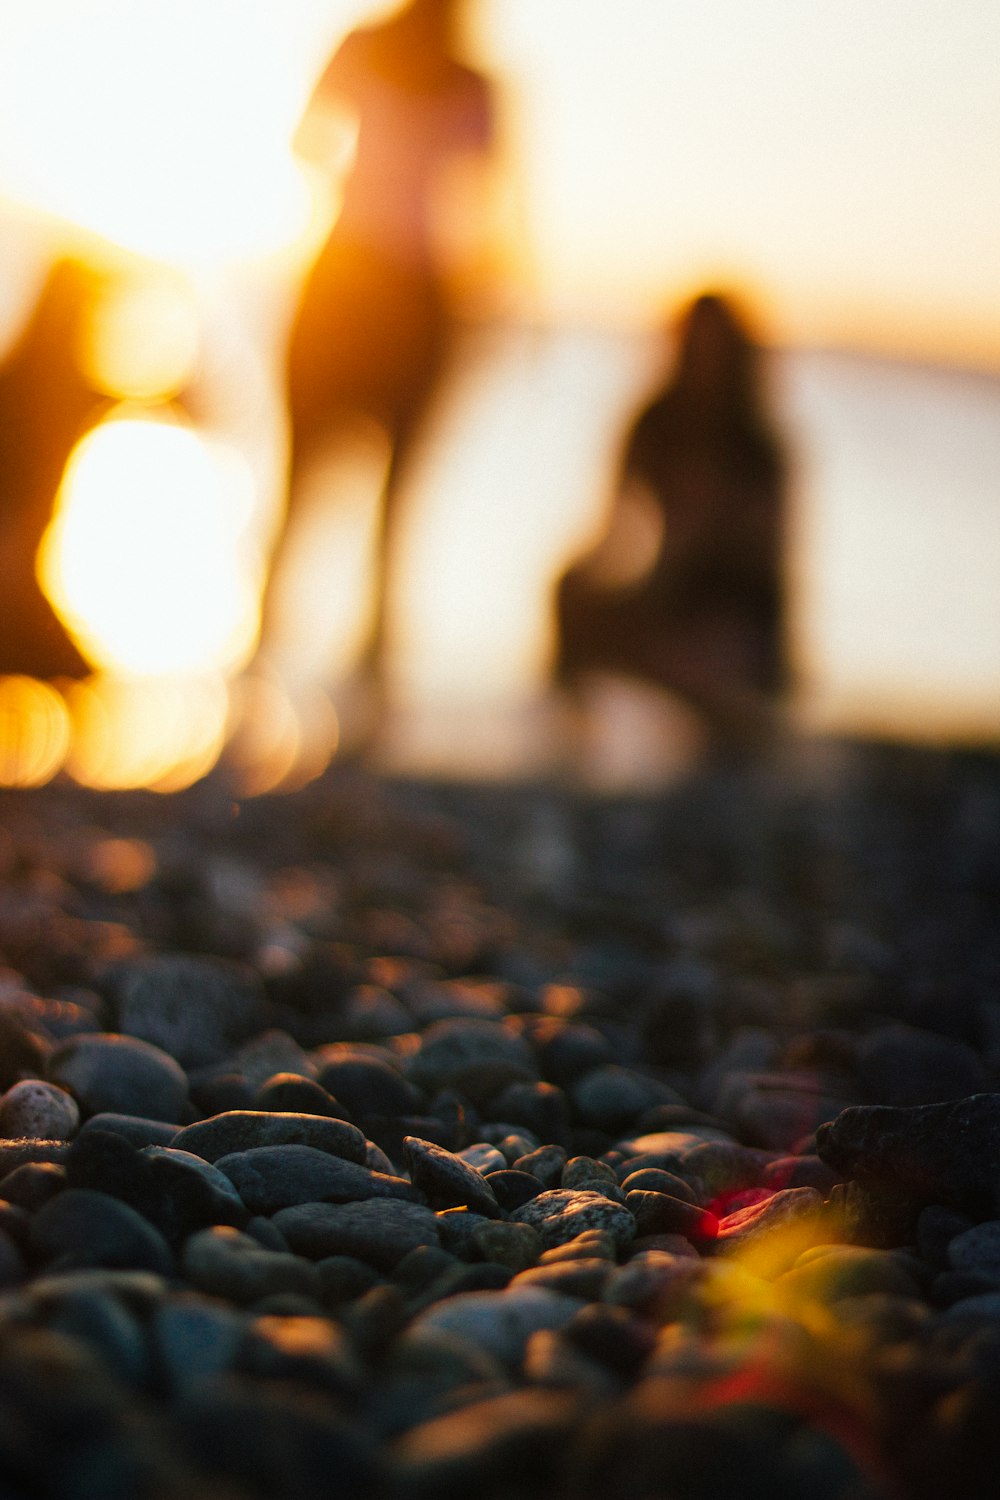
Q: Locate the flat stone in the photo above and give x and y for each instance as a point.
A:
(499, 1322)
(379, 1231)
(271, 1177)
(108, 1071)
(447, 1180)
(246, 1129)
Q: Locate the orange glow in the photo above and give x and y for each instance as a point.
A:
(142, 561)
(142, 339)
(153, 733)
(34, 732)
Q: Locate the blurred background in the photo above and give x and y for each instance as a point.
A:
(836, 167)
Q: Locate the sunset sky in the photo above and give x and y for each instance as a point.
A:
(839, 159)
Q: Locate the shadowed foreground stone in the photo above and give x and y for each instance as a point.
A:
(941, 1153)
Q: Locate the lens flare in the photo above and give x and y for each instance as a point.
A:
(143, 559)
(34, 732)
(142, 338)
(158, 733)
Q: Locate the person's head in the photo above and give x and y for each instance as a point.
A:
(716, 356)
(432, 23)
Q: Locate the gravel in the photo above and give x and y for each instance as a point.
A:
(356, 1153)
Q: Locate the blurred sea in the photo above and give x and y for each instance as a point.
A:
(893, 560)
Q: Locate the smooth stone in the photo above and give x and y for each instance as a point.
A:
(368, 1085)
(725, 1167)
(109, 1071)
(447, 1180)
(562, 1214)
(516, 1246)
(194, 1340)
(656, 1180)
(39, 1110)
(903, 1066)
(660, 1213)
(512, 1188)
(938, 1153)
(483, 1157)
(271, 1052)
(201, 1193)
(81, 1227)
(502, 1322)
(584, 1246)
(222, 1262)
(480, 1058)
(546, 1164)
(583, 1172)
(246, 1129)
(581, 1277)
(773, 1233)
(542, 1107)
(379, 1231)
(136, 1129)
(309, 1350)
(611, 1096)
(465, 1451)
(458, 1228)
(343, 1277)
(268, 1178)
(195, 1008)
(936, 1228)
(34, 1183)
(976, 1249)
(831, 1273)
(291, 1093)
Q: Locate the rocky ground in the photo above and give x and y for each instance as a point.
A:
(415, 1141)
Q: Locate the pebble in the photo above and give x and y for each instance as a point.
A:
(562, 1214)
(516, 1246)
(795, 1213)
(977, 1249)
(40, 1110)
(447, 1180)
(903, 1066)
(80, 1227)
(269, 1178)
(483, 1158)
(135, 1129)
(611, 1096)
(246, 1129)
(367, 1085)
(195, 1008)
(938, 1153)
(501, 1323)
(512, 1188)
(379, 1231)
(109, 1071)
(480, 1058)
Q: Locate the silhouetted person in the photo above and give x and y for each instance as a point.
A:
(46, 405)
(704, 618)
(375, 326)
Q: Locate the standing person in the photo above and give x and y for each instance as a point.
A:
(46, 406)
(376, 326)
(705, 618)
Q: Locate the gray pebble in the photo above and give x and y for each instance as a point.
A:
(560, 1215)
(246, 1129)
(477, 1057)
(194, 1008)
(483, 1157)
(271, 1177)
(501, 1323)
(448, 1181)
(39, 1110)
(977, 1249)
(108, 1071)
(379, 1231)
(81, 1227)
(222, 1262)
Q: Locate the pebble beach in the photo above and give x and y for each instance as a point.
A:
(426, 1140)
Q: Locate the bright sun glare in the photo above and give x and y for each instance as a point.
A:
(143, 558)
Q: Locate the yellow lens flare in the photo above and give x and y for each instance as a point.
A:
(143, 560)
(34, 732)
(157, 733)
(142, 337)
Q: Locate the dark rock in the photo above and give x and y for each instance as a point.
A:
(976, 1249)
(660, 1213)
(379, 1231)
(194, 1008)
(107, 1071)
(656, 1180)
(610, 1097)
(546, 1164)
(247, 1129)
(479, 1058)
(135, 1129)
(81, 1228)
(520, 1435)
(561, 1214)
(367, 1085)
(448, 1181)
(194, 1340)
(271, 1177)
(343, 1277)
(222, 1262)
(512, 1188)
(34, 1183)
(499, 1322)
(291, 1093)
(582, 1277)
(936, 1228)
(542, 1107)
(904, 1066)
(22, 1052)
(940, 1153)
(39, 1110)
